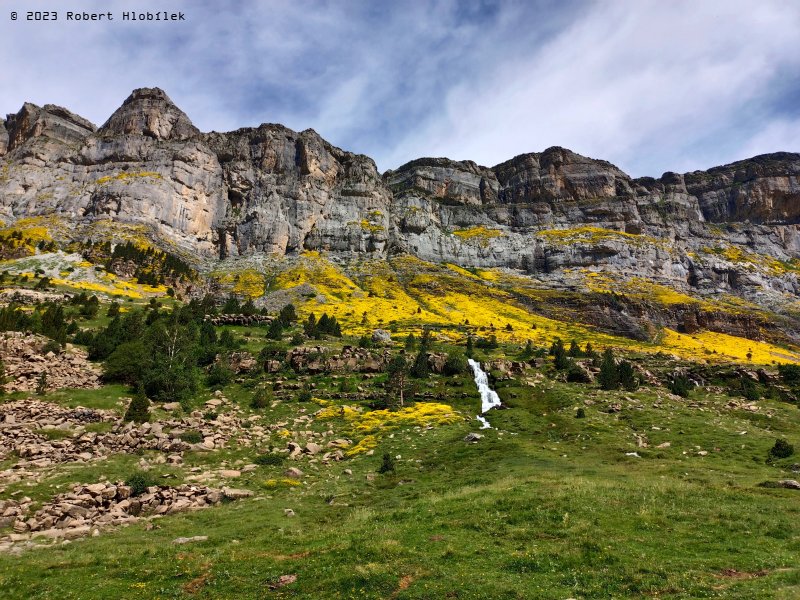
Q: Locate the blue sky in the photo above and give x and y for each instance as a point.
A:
(651, 86)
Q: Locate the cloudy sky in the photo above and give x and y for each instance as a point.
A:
(651, 86)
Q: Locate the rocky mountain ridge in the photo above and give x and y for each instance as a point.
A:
(270, 190)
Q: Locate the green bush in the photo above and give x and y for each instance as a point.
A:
(387, 464)
(139, 482)
(580, 413)
(456, 364)
(51, 346)
(191, 437)
(261, 399)
(680, 386)
(790, 374)
(781, 449)
(219, 375)
(577, 374)
(269, 459)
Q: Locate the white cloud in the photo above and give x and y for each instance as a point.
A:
(646, 84)
(633, 82)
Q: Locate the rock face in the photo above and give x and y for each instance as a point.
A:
(272, 190)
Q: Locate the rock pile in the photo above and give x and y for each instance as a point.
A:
(313, 359)
(29, 297)
(77, 513)
(239, 319)
(25, 361)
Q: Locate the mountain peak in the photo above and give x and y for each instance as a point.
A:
(150, 112)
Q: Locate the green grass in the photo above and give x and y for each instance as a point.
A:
(546, 506)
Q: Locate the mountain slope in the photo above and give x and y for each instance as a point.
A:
(223, 201)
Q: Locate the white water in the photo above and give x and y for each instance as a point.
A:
(489, 398)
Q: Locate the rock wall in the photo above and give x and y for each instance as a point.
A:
(272, 190)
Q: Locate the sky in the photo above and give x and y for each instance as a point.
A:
(649, 85)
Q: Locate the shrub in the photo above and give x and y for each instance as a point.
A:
(577, 374)
(304, 395)
(192, 437)
(269, 459)
(487, 344)
(781, 449)
(210, 415)
(580, 413)
(680, 386)
(455, 364)
(275, 331)
(219, 375)
(790, 374)
(83, 337)
(347, 385)
(41, 384)
(139, 481)
(750, 390)
(261, 399)
(51, 346)
(387, 464)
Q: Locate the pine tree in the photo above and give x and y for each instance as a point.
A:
(609, 373)
(310, 326)
(574, 350)
(560, 360)
(288, 315)
(420, 367)
(470, 347)
(41, 384)
(411, 342)
(275, 331)
(627, 376)
(398, 376)
(139, 408)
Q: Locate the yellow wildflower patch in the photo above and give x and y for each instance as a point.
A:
(127, 176)
(715, 346)
(369, 442)
(421, 414)
(273, 483)
(481, 234)
(592, 235)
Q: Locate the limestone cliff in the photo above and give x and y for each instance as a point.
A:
(271, 190)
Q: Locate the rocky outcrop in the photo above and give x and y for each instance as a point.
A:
(149, 112)
(763, 189)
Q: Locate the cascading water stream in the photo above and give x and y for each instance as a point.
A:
(489, 398)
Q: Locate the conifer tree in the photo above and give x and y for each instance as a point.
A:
(609, 373)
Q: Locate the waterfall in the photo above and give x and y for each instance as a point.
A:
(489, 398)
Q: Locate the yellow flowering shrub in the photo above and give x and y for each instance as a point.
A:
(127, 176)
(368, 443)
(481, 234)
(286, 482)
